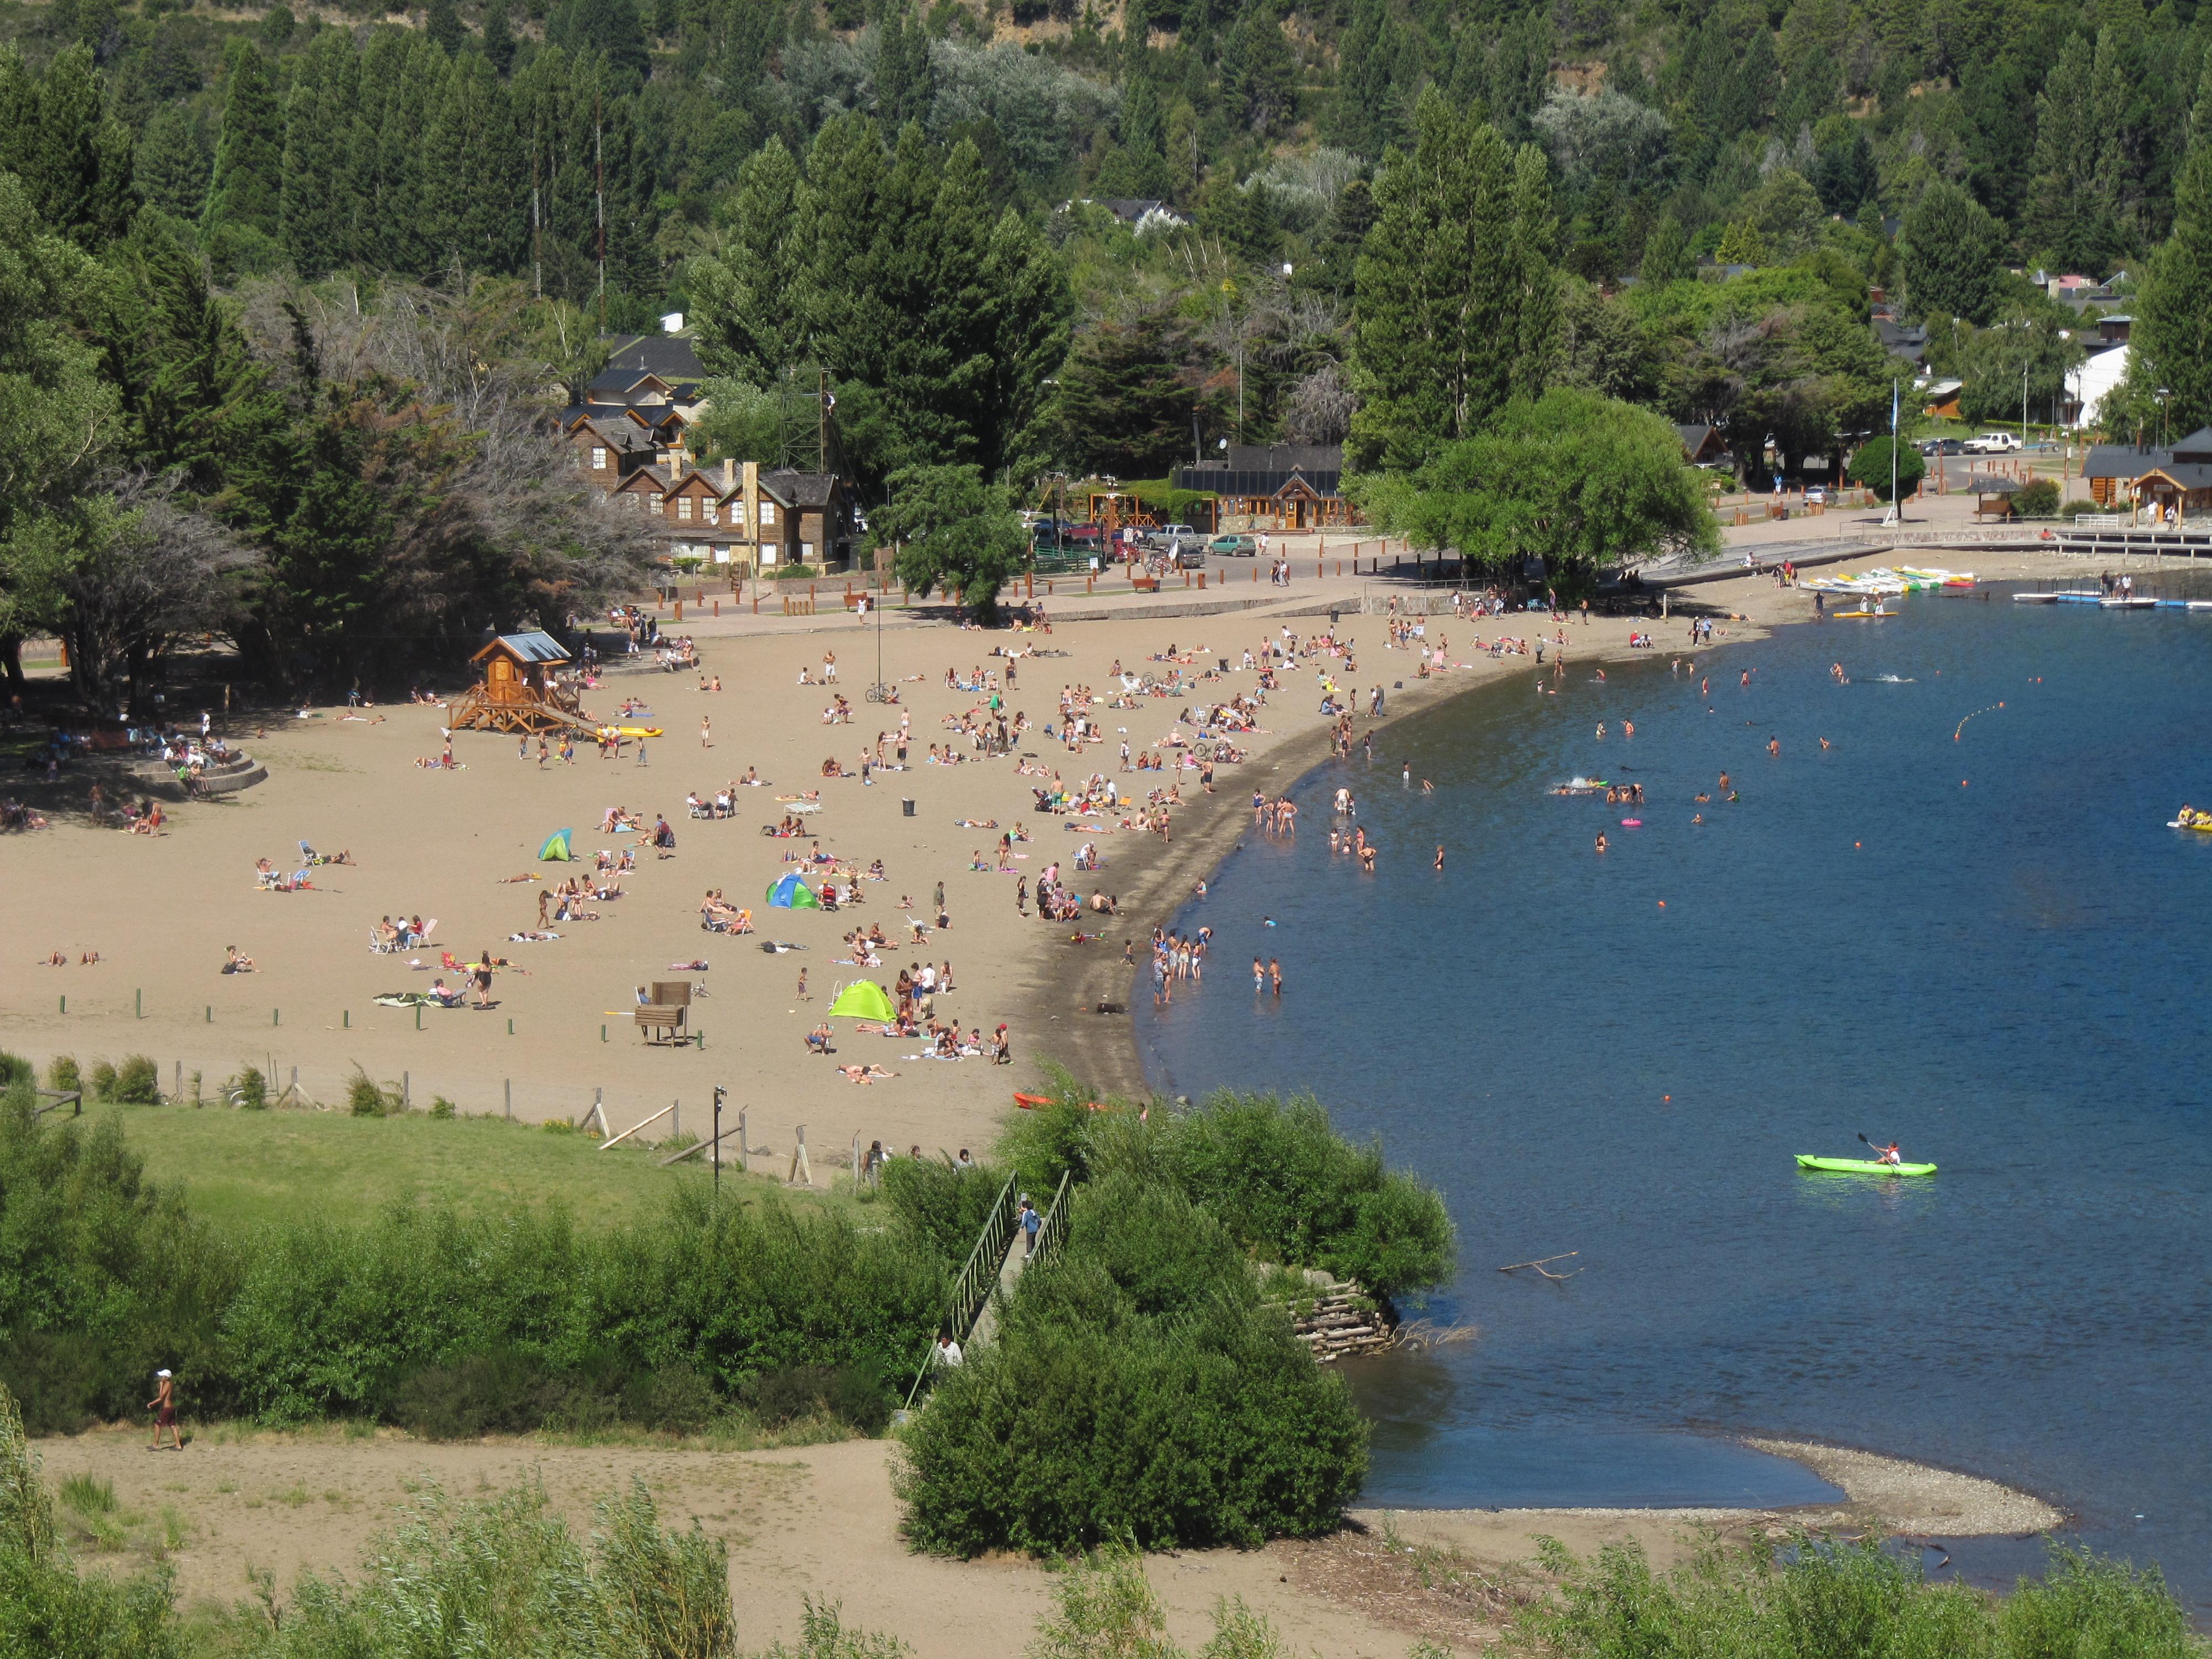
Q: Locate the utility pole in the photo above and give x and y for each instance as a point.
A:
(822, 414)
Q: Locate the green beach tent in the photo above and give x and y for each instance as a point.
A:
(556, 850)
(863, 999)
(790, 893)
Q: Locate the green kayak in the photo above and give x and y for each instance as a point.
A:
(1862, 1166)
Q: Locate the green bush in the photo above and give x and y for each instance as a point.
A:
(1087, 1422)
(1274, 1172)
(506, 1575)
(107, 1278)
(14, 1069)
(854, 1394)
(1819, 1598)
(137, 1081)
(248, 1090)
(1869, 466)
(2038, 499)
(62, 1073)
(940, 1205)
(365, 1097)
(103, 1080)
(796, 573)
(442, 1108)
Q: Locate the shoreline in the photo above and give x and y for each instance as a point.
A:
(1896, 1495)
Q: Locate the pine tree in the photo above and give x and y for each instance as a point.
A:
(395, 220)
(2172, 340)
(443, 25)
(171, 70)
(1124, 408)
(1952, 251)
(1666, 253)
(475, 175)
(1452, 310)
(746, 306)
(173, 161)
(74, 161)
(903, 82)
(1259, 75)
(1520, 76)
(2060, 215)
(1138, 167)
(249, 154)
(498, 37)
(1366, 119)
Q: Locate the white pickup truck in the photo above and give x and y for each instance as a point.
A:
(1992, 443)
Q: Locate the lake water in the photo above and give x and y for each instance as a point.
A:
(1989, 948)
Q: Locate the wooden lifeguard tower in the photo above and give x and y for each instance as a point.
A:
(519, 691)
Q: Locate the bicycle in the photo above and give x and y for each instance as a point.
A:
(881, 693)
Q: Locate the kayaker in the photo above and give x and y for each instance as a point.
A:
(1888, 1154)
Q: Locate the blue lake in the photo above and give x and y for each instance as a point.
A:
(1988, 946)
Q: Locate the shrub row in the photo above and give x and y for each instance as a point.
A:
(451, 1324)
(1818, 1598)
(1274, 1172)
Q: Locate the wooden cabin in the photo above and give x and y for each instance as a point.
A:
(520, 691)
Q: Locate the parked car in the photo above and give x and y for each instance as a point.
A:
(1993, 443)
(1942, 447)
(1168, 534)
(1191, 556)
(1234, 547)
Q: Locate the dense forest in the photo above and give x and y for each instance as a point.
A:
(1382, 219)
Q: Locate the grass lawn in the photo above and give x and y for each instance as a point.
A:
(242, 1168)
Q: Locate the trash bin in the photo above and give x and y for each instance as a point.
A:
(906, 809)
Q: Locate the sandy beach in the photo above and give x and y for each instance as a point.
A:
(160, 912)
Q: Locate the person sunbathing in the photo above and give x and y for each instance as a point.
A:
(446, 996)
(236, 962)
(864, 1073)
(818, 1040)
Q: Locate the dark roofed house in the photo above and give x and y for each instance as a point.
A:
(2171, 482)
(1703, 445)
(1907, 343)
(671, 358)
(1279, 486)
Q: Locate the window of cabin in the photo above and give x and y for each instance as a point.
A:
(598, 458)
(768, 514)
(684, 506)
(806, 552)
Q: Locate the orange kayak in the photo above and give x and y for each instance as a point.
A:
(1030, 1102)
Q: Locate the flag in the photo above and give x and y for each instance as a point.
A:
(1893, 408)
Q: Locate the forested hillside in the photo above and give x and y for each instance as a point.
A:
(1381, 219)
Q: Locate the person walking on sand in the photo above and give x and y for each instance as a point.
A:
(802, 984)
(164, 1405)
(640, 751)
(706, 731)
(480, 971)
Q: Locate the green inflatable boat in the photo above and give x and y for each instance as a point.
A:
(1862, 1166)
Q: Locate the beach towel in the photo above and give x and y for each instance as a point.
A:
(556, 850)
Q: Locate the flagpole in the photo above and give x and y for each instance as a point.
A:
(1896, 507)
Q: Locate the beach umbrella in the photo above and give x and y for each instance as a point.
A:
(556, 850)
(793, 894)
(863, 999)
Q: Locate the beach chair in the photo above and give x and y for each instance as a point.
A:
(662, 1019)
(379, 947)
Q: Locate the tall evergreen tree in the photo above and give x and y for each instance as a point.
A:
(249, 155)
(75, 162)
(1138, 167)
(474, 173)
(1259, 75)
(173, 161)
(2172, 340)
(903, 82)
(1366, 118)
(442, 23)
(498, 37)
(1666, 253)
(2062, 213)
(1453, 308)
(315, 205)
(747, 310)
(1952, 254)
